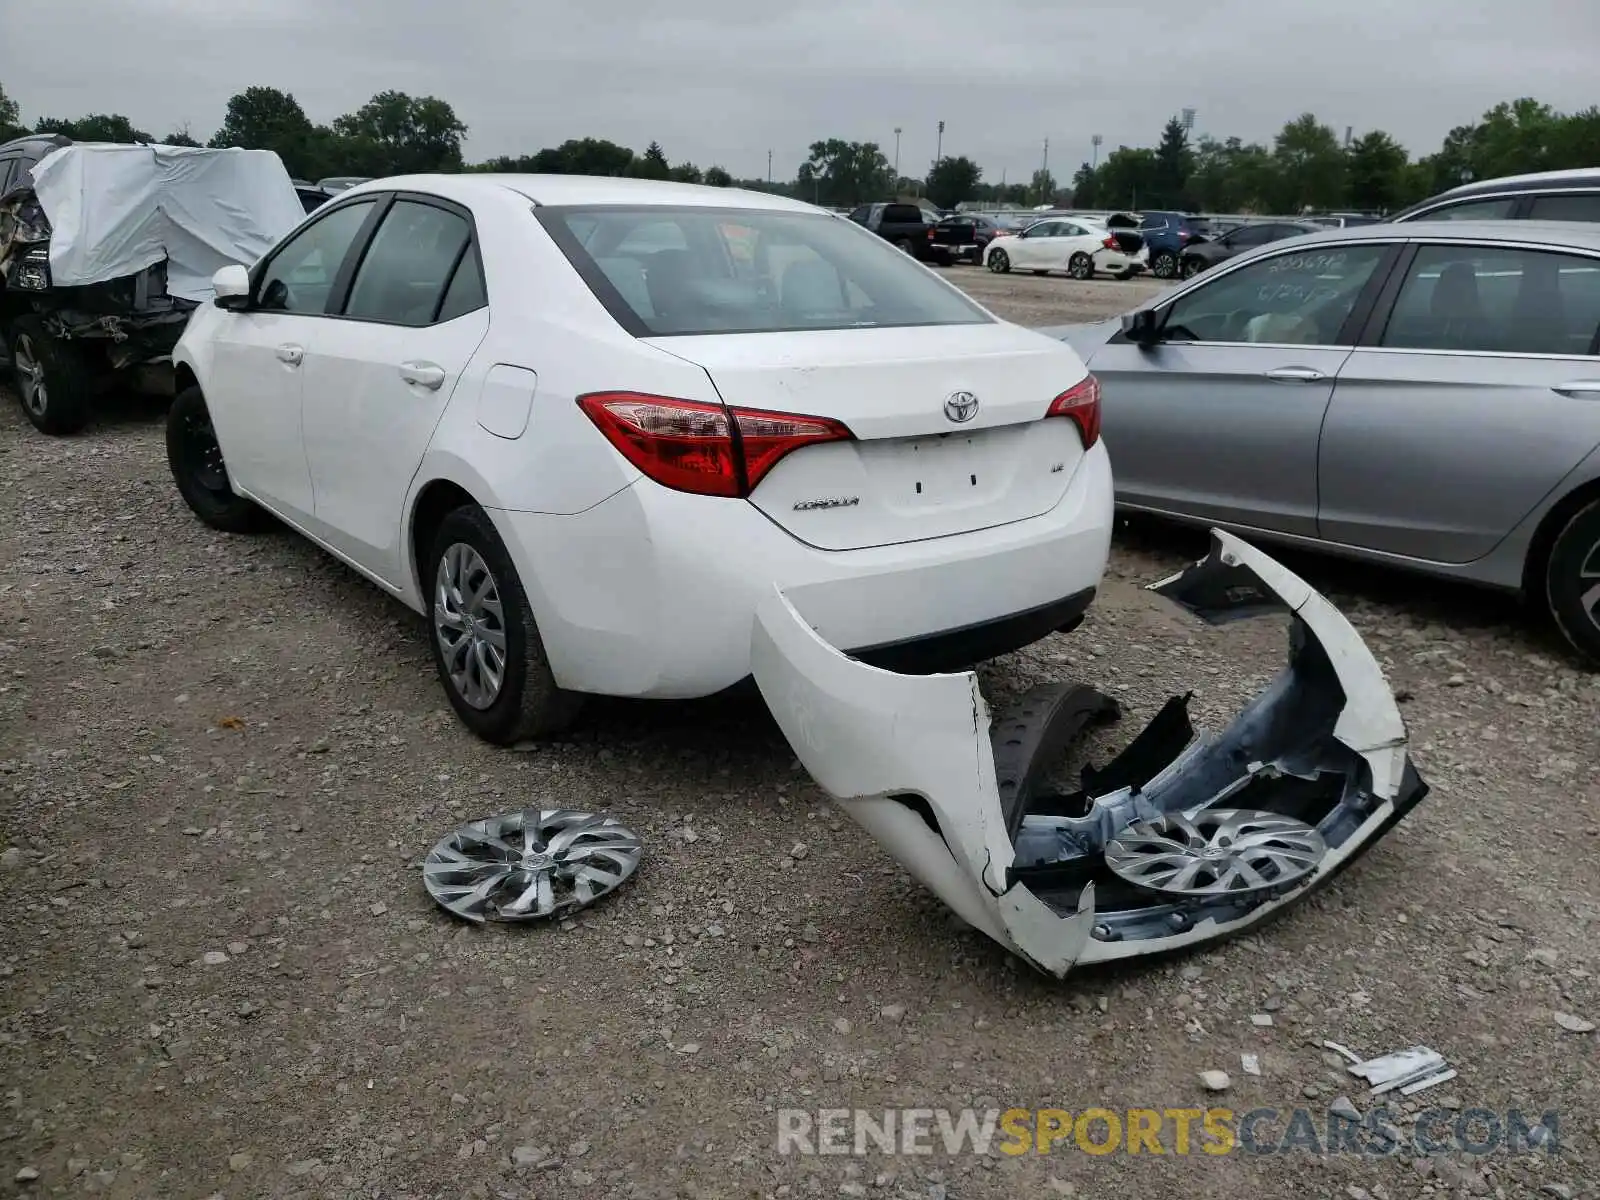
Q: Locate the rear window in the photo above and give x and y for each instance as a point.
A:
(673, 271)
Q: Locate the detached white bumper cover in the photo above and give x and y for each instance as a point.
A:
(1126, 865)
(115, 210)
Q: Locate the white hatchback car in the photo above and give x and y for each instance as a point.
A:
(1080, 246)
(585, 425)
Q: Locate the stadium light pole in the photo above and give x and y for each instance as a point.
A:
(897, 132)
(938, 146)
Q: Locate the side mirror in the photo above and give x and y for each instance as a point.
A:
(232, 286)
(1140, 327)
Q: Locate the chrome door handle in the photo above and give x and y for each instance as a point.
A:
(291, 355)
(1579, 387)
(423, 374)
(1295, 375)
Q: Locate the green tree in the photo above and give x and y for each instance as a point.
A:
(1086, 187)
(263, 118)
(842, 173)
(952, 180)
(397, 134)
(96, 127)
(717, 177)
(1310, 166)
(1513, 138)
(180, 137)
(10, 118)
(1130, 177)
(1376, 172)
(1042, 187)
(583, 156)
(652, 164)
(687, 173)
(1173, 166)
(1576, 141)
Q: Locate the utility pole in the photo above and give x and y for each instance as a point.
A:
(897, 158)
(769, 166)
(938, 147)
(1094, 151)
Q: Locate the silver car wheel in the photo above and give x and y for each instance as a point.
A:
(531, 864)
(469, 621)
(1589, 583)
(30, 376)
(1216, 852)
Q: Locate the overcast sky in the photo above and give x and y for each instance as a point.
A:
(724, 81)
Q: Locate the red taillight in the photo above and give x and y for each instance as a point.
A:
(707, 449)
(930, 235)
(1111, 243)
(1082, 404)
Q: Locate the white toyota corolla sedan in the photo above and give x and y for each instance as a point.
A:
(585, 425)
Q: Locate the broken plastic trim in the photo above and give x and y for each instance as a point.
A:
(913, 760)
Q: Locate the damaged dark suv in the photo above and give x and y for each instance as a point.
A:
(90, 289)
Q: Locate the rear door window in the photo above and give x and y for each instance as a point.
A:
(1584, 207)
(402, 279)
(1496, 299)
(900, 214)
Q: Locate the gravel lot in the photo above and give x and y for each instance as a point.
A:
(221, 760)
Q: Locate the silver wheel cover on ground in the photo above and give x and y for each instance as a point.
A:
(30, 377)
(1221, 851)
(469, 622)
(530, 864)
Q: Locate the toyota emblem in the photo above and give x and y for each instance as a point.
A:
(961, 407)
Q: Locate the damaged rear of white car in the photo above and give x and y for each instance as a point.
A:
(1181, 839)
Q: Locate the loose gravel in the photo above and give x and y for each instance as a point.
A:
(222, 759)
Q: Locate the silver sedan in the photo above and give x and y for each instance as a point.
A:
(1422, 395)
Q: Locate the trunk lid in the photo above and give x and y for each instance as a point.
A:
(911, 472)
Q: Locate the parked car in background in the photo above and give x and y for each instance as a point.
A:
(1542, 196)
(1080, 247)
(1426, 396)
(1339, 220)
(340, 183)
(967, 235)
(1168, 235)
(685, 394)
(106, 249)
(311, 196)
(906, 226)
(1199, 256)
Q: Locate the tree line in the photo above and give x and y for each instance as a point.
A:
(1307, 167)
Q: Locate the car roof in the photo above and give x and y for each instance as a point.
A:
(1578, 235)
(581, 190)
(30, 140)
(1531, 182)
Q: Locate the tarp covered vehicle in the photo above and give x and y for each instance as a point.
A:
(1181, 839)
(106, 249)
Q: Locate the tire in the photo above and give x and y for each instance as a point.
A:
(1571, 572)
(195, 460)
(999, 262)
(53, 382)
(527, 703)
(906, 245)
(1192, 267)
(1080, 266)
(1164, 265)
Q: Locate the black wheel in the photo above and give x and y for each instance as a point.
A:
(907, 245)
(54, 384)
(1572, 582)
(1192, 267)
(195, 458)
(1080, 266)
(1164, 265)
(485, 642)
(999, 262)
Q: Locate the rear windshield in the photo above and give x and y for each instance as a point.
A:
(662, 271)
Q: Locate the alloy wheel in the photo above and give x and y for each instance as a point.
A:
(999, 263)
(30, 376)
(1217, 852)
(530, 864)
(1165, 266)
(469, 622)
(1589, 584)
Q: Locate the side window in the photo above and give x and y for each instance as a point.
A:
(466, 292)
(859, 215)
(1044, 229)
(1566, 208)
(300, 276)
(8, 172)
(404, 273)
(1250, 235)
(1068, 229)
(1472, 210)
(1301, 298)
(897, 214)
(1151, 224)
(1483, 298)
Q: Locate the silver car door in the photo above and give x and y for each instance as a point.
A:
(1219, 419)
(1479, 392)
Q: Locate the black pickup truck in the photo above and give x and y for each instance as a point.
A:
(906, 226)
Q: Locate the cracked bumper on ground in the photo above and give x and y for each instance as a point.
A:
(1321, 753)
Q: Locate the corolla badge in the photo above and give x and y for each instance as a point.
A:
(961, 407)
